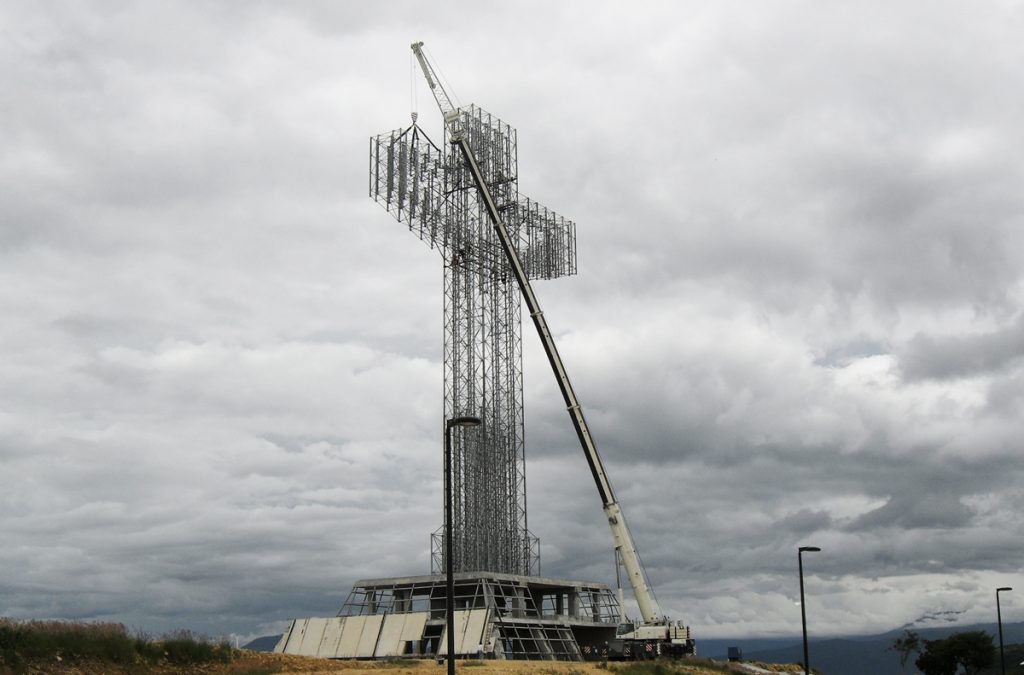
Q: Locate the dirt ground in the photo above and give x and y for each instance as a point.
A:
(261, 663)
(295, 664)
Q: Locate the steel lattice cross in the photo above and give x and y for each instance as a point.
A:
(431, 190)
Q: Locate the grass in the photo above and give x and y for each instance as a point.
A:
(26, 642)
(399, 663)
(257, 670)
(35, 646)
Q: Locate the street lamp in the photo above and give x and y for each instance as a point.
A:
(999, 618)
(803, 611)
(448, 564)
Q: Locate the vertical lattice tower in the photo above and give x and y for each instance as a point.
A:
(430, 190)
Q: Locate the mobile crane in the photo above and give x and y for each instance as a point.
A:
(654, 635)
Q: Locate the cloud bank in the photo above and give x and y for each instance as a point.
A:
(797, 319)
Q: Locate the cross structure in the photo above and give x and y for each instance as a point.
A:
(500, 604)
(432, 191)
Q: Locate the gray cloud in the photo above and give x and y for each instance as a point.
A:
(797, 318)
(947, 357)
(930, 511)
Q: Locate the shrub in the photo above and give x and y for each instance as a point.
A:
(22, 642)
(182, 647)
(69, 640)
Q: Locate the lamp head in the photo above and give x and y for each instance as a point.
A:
(808, 549)
(465, 421)
(1004, 588)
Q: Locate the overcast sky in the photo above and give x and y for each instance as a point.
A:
(797, 319)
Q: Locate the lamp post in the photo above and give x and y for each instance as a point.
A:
(803, 611)
(999, 619)
(449, 567)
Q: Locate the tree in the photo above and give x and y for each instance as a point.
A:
(972, 650)
(936, 658)
(905, 645)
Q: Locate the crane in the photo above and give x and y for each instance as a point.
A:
(653, 628)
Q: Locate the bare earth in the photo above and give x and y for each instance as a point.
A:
(259, 663)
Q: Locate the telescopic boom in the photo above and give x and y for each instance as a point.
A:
(612, 510)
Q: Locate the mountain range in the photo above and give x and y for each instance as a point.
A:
(852, 655)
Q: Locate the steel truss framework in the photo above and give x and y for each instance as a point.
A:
(430, 189)
(532, 618)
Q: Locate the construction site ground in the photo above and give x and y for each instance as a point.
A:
(261, 663)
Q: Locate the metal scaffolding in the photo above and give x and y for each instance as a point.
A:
(519, 617)
(431, 190)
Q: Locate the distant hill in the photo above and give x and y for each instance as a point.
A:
(838, 657)
(854, 655)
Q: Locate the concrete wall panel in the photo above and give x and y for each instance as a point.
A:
(469, 628)
(332, 638)
(302, 637)
(414, 625)
(368, 640)
(472, 637)
(293, 643)
(283, 642)
(390, 641)
(349, 643)
(311, 637)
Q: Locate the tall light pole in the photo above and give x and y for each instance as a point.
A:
(999, 618)
(803, 611)
(449, 567)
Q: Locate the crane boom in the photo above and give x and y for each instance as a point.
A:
(620, 532)
(448, 110)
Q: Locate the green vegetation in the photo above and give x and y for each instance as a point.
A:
(905, 645)
(970, 650)
(1014, 656)
(973, 651)
(26, 642)
(183, 648)
(399, 663)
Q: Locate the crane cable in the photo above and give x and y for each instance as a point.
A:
(445, 84)
(643, 571)
(647, 578)
(413, 92)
